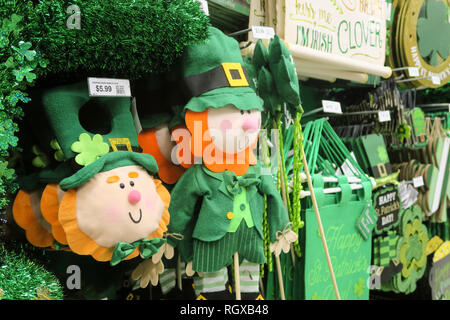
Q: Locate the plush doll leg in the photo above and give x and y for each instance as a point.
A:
(249, 276)
(167, 280)
(212, 285)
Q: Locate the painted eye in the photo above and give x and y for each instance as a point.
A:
(122, 186)
(242, 112)
(248, 111)
(132, 183)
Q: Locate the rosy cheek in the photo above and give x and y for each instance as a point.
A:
(226, 125)
(150, 202)
(113, 214)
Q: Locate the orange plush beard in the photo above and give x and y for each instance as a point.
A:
(167, 171)
(202, 146)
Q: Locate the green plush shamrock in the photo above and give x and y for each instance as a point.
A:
(433, 32)
(59, 155)
(89, 149)
(358, 288)
(403, 131)
(41, 160)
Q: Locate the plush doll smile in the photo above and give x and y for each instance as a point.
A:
(138, 220)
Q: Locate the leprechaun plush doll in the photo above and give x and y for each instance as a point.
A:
(218, 204)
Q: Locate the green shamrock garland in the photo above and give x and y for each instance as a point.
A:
(20, 65)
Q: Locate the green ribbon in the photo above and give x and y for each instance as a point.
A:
(232, 183)
(147, 248)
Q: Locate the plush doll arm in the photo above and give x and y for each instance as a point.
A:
(184, 197)
(279, 226)
(148, 271)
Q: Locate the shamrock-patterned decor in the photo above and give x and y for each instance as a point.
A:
(421, 41)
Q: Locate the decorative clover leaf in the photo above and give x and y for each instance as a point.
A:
(433, 32)
(41, 160)
(358, 288)
(24, 72)
(403, 131)
(5, 172)
(316, 296)
(59, 155)
(23, 50)
(89, 149)
(382, 154)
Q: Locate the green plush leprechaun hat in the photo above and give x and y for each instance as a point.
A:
(95, 134)
(215, 76)
(108, 162)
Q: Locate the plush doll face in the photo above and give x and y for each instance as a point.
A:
(120, 205)
(233, 130)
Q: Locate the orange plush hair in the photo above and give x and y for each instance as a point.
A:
(168, 172)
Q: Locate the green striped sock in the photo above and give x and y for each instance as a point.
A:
(211, 281)
(384, 251)
(376, 251)
(249, 276)
(167, 280)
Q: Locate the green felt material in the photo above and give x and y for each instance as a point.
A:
(283, 71)
(203, 57)
(260, 55)
(63, 104)
(211, 256)
(108, 162)
(376, 152)
(210, 222)
(154, 120)
(241, 211)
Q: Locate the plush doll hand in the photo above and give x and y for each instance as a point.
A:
(166, 249)
(148, 271)
(190, 272)
(284, 240)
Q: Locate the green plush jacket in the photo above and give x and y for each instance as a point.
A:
(200, 204)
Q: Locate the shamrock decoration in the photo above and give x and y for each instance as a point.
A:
(4, 171)
(59, 155)
(403, 131)
(43, 294)
(89, 149)
(41, 160)
(358, 288)
(382, 154)
(275, 75)
(433, 32)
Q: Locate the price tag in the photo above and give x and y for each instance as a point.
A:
(436, 80)
(413, 71)
(103, 87)
(384, 116)
(204, 6)
(418, 182)
(331, 106)
(260, 32)
(388, 7)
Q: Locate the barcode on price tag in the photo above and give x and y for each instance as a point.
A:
(418, 182)
(103, 87)
(331, 106)
(436, 80)
(260, 32)
(384, 116)
(413, 71)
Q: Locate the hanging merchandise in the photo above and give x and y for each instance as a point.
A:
(419, 52)
(224, 117)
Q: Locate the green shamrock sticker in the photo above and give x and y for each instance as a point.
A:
(382, 154)
(89, 149)
(433, 31)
